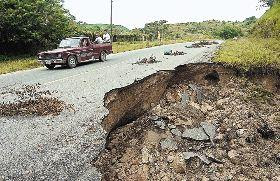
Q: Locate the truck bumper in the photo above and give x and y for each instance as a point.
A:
(51, 61)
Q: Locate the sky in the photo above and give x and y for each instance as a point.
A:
(135, 13)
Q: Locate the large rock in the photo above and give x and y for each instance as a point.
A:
(196, 134)
(209, 129)
(176, 132)
(203, 158)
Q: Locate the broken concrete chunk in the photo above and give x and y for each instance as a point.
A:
(199, 95)
(185, 99)
(176, 132)
(160, 124)
(203, 158)
(196, 134)
(193, 87)
(189, 155)
(209, 129)
(169, 144)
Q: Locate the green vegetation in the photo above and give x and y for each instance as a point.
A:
(91, 30)
(30, 25)
(261, 48)
(250, 52)
(128, 46)
(267, 3)
(213, 28)
(229, 31)
(16, 63)
(269, 24)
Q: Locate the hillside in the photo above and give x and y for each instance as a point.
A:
(211, 28)
(261, 49)
(268, 25)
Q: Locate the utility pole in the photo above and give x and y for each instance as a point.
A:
(111, 21)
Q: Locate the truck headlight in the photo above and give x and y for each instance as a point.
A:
(59, 55)
(40, 56)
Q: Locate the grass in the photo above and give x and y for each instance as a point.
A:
(269, 24)
(119, 47)
(15, 63)
(249, 53)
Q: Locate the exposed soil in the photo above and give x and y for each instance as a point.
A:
(149, 119)
(30, 101)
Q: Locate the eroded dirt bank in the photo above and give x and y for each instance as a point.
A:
(198, 122)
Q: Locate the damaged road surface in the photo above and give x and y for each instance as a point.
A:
(63, 145)
(198, 122)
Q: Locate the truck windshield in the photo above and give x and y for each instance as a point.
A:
(69, 43)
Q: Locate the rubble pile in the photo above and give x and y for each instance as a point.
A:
(30, 101)
(150, 60)
(224, 128)
(202, 43)
(174, 53)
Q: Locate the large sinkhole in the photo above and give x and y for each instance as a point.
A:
(198, 122)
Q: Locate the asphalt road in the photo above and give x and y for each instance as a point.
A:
(61, 147)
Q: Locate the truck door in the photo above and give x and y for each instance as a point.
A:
(86, 50)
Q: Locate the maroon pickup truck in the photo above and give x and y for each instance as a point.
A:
(72, 51)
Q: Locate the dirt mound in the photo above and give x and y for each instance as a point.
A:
(32, 102)
(202, 122)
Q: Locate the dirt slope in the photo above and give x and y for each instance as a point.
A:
(206, 123)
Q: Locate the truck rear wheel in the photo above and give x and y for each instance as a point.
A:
(103, 56)
(72, 61)
(51, 66)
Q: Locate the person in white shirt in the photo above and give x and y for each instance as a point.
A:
(98, 40)
(106, 37)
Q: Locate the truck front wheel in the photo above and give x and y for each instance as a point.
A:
(72, 61)
(103, 56)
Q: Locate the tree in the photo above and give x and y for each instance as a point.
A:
(267, 3)
(153, 29)
(250, 20)
(228, 32)
(29, 25)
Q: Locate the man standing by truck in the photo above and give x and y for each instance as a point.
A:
(106, 37)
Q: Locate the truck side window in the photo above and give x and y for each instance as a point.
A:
(85, 43)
